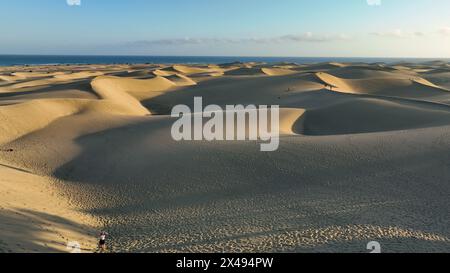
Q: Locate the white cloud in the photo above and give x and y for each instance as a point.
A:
(374, 2)
(74, 2)
(311, 37)
(398, 33)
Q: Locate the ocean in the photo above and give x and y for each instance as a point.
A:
(9, 60)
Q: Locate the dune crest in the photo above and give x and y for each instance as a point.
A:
(291, 121)
(403, 87)
(188, 70)
(278, 71)
(128, 92)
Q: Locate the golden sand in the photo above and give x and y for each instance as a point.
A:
(364, 155)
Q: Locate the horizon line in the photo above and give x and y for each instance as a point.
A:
(220, 56)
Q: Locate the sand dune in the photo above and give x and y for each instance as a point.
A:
(181, 80)
(35, 75)
(130, 91)
(362, 148)
(290, 120)
(360, 72)
(12, 77)
(54, 79)
(78, 75)
(278, 71)
(412, 88)
(191, 69)
(371, 115)
(245, 71)
(320, 67)
(20, 119)
(163, 73)
(134, 74)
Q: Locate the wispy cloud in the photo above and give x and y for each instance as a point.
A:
(398, 33)
(310, 37)
(401, 34)
(373, 2)
(73, 2)
(306, 37)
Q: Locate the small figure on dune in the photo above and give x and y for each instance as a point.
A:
(102, 242)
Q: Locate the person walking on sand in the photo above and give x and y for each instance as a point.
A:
(102, 242)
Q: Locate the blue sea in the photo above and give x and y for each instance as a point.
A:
(9, 60)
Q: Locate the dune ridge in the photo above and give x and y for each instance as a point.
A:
(127, 92)
(409, 88)
(278, 71)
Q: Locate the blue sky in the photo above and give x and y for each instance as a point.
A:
(341, 28)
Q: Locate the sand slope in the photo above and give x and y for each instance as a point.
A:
(372, 115)
(35, 218)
